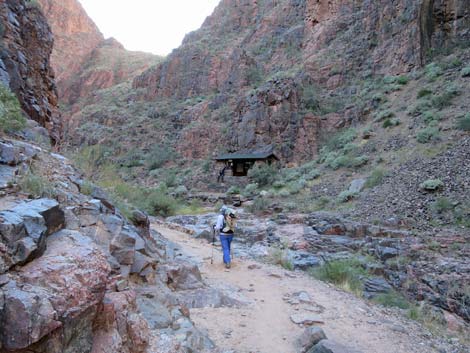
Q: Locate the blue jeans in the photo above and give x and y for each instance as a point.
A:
(226, 240)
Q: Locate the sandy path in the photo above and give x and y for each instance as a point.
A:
(265, 326)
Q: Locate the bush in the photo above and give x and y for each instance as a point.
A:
(161, 204)
(278, 256)
(380, 116)
(346, 196)
(427, 134)
(259, 205)
(423, 93)
(433, 71)
(375, 178)
(445, 99)
(431, 184)
(442, 204)
(429, 117)
(403, 80)
(263, 175)
(160, 155)
(11, 116)
(233, 190)
(392, 299)
(181, 191)
(345, 273)
(36, 185)
(341, 139)
(464, 123)
(465, 72)
(251, 189)
(87, 188)
(390, 123)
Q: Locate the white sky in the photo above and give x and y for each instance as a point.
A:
(155, 26)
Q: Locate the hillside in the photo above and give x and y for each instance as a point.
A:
(366, 104)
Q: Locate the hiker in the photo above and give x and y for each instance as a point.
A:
(226, 226)
(220, 178)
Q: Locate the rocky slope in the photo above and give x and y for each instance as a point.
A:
(25, 65)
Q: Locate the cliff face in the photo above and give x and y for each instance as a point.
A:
(27, 46)
(267, 45)
(75, 38)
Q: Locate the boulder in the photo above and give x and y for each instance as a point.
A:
(24, 228)
(357, 185)
(122, 246)
(182, 275)
(374, 286)
(329, 346)
(304, 260)
(386, 253)
(61, 290)
(309, 338)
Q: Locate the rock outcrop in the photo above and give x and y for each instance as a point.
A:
(25, 63)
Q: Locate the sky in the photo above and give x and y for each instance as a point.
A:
(154, 26)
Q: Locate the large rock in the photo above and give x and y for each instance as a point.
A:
(375, 286)
(182, 275)
(24, 228)
(329, 346)
(310, 337)
(61, 290)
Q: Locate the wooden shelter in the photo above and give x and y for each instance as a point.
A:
(240, 163)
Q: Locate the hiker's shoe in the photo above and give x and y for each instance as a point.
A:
(227, 265)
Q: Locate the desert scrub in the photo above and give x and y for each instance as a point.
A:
(465, 72)
(263, 175)
(431, 185)
(423, 93)
(36, 185)
(259, 205)
(464, 123)
(375, 178)
(251, 189)
(11, 116)
(347, 274)
(346, 196)
(390, 123)
(442, 205)
(427, 134)
(440, 101)
(432, 71)
(160, 155)
(280, 256)
(382, 115)
(233, 190)
(392, 299)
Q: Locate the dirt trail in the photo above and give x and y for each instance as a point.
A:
(266, 327)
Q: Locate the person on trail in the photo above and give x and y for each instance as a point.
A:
(220, 178)
(226, 227)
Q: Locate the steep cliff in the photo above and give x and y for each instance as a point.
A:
(266, 44)
(26, 48)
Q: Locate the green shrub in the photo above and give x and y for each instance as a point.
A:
(464, 123)
(420, 107)
(159, 156)
(345, 273)
(380, 116)
(233, 190)
(263, 174)
(444, 99)
(375, 178)
(403, 80)
(390, 123)
(251, 189)
(392, 299)
(310, 98)
(423, 93)
(427, 134)
(433, 71)
(161, 204)
(340, 139)
(278, 256)
(465, 72)
(87, 188)
(442, 205)
(430, 117)
(346, 196)
(36, 185)
(431, 184)
(259, 205)
(181, 191)
(11, 116)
